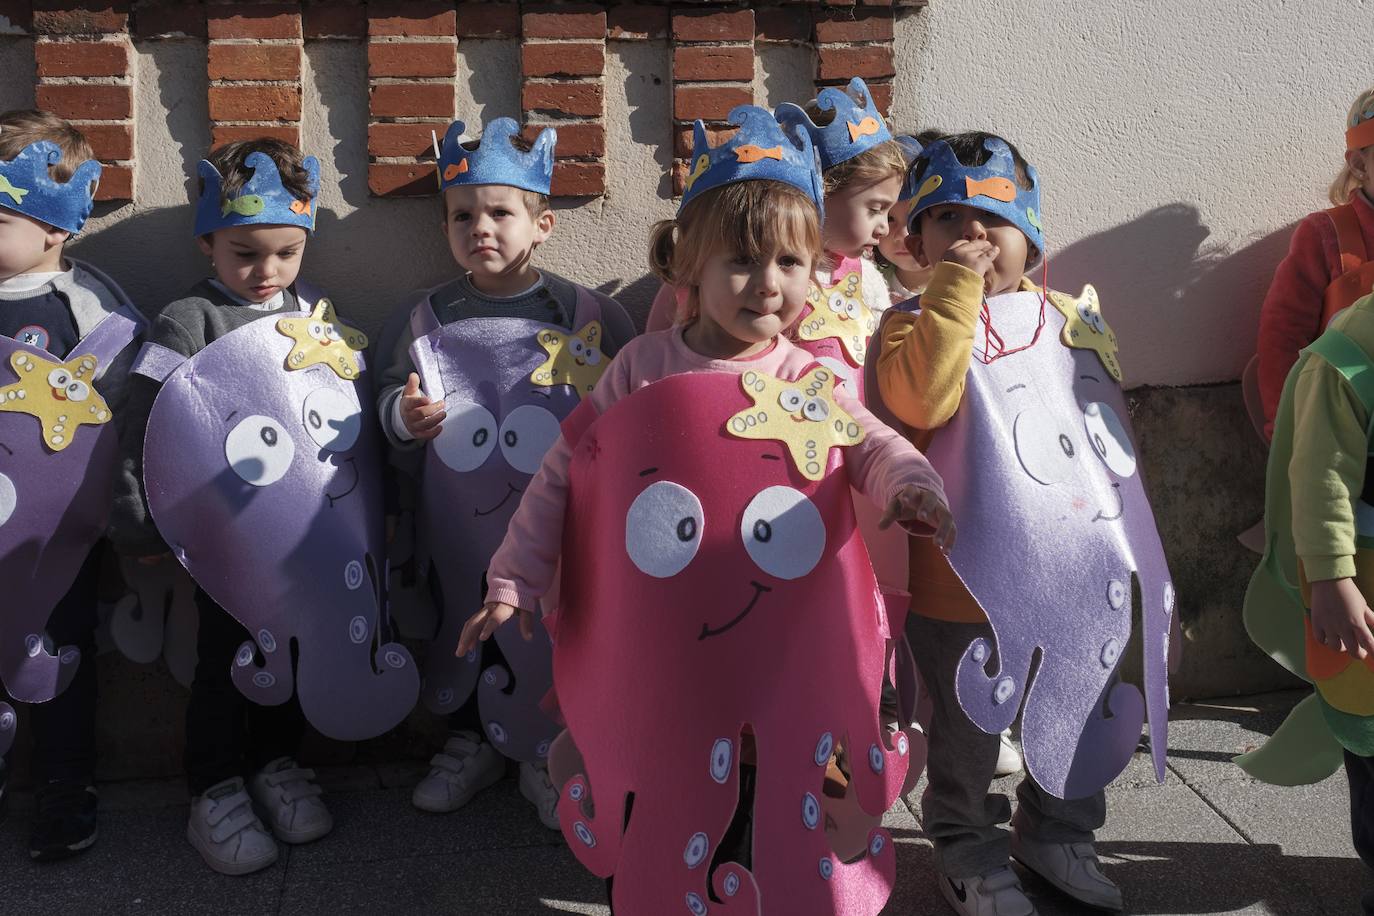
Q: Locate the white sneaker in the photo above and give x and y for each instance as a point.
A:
(539, 791)
(1071, 867)
(291, 800)
(465, 766)
(998, 893)
(225, 831)
(1008, 757)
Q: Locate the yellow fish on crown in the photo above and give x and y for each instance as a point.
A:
(698, 169)
(14, 192)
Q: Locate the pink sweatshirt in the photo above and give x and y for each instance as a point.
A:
(523, 568)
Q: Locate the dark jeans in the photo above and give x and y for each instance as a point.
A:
(64, 727)
(228, 735)
(1360, 771)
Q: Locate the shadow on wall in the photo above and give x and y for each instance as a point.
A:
(1210, 291)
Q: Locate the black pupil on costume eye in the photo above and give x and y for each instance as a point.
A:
(511, 438)
(1101, 446)
(315, 420)
(763, 532)
(1066, 445)
(479, 438)
(269, 435)
(687, 529)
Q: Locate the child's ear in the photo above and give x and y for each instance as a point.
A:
(543, 224)
(915, 248)
(54, 236)
(204, 241)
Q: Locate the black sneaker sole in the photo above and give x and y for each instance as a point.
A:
(64, 852)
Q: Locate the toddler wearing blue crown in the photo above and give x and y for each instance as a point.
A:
(470, 396)
(255, 211)
(974, 218)
(74, 328)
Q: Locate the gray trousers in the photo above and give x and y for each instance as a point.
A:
(965, 821)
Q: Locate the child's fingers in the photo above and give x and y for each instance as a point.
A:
(468, 638)
(890, 513)
(946, 534)
(526, 625)
(412, 386)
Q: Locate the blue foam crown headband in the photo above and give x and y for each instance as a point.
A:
(495, 159)
(991, 187)
(856, 128)
(263, 200)
(761, 150)
(27, 187)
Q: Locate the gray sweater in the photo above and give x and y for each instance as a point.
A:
(187, 326)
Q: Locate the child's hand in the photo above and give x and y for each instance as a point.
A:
(977, 255)
(422, 417)
(914, 504)
(481, 625)
(1341, 618)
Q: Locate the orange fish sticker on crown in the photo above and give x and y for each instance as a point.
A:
(455, 169)
(863, 129)
(300, 206)
(997, 188)
(751, 153)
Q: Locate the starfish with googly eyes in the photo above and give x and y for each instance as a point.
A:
(839, 310)
(574, 359)
(322, 339)
(803, 415)
(1086, 329)
(58, 394)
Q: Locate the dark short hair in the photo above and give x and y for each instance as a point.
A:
(230, 161)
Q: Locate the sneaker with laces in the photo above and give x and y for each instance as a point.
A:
(1071, 867)
(997, 893)
(465, 766)
(290, 800)
(225, 831)
(539, 791)
(63, 821)
(1009, 760)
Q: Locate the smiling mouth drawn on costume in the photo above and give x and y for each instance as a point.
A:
(353, 486)
(758, 592)
(1120, 507)
(510, 491)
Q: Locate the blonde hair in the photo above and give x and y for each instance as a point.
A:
(24, 126)
(1346, 183)
(750, 219)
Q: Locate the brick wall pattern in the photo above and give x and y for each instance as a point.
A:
(85, 62)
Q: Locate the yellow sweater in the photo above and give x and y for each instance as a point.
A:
(1330, 444)
(923, 363)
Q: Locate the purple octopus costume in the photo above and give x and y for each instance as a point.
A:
(263, 469)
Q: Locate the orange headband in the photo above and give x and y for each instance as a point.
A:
(1360, 136)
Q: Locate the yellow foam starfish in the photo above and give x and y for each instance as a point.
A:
(14, 191)
(839, 311)
(574, 359)
(1086, 329)
(59, 394)
(803, 415)
(322, 339)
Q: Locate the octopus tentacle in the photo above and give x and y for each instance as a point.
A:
(992, 702)
(269, 684)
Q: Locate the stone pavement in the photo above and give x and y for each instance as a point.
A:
(1208, 840)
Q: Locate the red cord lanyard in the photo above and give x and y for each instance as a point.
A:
(994, 348)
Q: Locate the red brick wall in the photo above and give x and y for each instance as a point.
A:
(254, 53)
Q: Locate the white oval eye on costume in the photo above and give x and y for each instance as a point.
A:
(663, 529)
(791, 400)
(332, 419)
(1109, 439)
(783, 532)
(577, 346)
(332, 332)
(527, 434)
(592, 356)
(851, 308)
(816, 410)
(9, 498)
(259, 450)
(836, 303)
(316, 330)
(467, 436)
(1046, 453)
(78, 391)
(58, 378)
(1091, 318)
